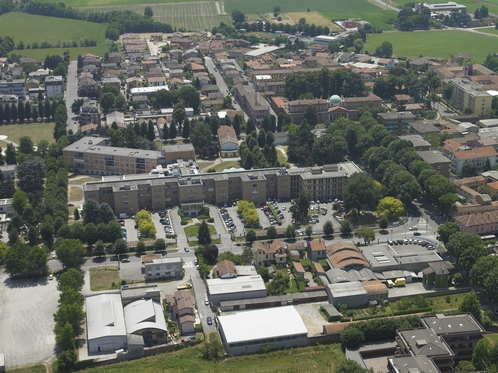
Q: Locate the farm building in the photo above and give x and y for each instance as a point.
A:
(352, 294)
(247, 332)
(245, 287)
(106, 329)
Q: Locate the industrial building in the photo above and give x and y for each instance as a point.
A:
(247, 332)
(245, 287)
(145, 317)
(106, 328)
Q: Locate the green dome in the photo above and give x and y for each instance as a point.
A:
(334, 99)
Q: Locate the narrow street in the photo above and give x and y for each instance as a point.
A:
(71, 95)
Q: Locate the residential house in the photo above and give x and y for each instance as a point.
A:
(281, 138)
(54, 87)
(482, 223)
(32, 83)
(13, 87)
(90, 112)
(156, 81)
(229, 144)
(89, 69)
(459, 155)
(417, 141)
(402, 100)
(225, 269)
(134, 82)
(198, 36)
(176, 54)
(156, 36)
(189, 53)
(109, 66)
(437, 274)
(88, 86)
(181, 305)
(90, 59)
(266, 254)
(115, 57)
(8, 171)
(115, 82)
(316, 249)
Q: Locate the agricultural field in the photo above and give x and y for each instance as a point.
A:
(340, 9)
(186, 16)
(313, 17)
(52, 30)
(435, 43)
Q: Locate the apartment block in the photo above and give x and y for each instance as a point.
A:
(470, 94)
(460, 154)
(170, 268)
(190, 191)
(396, 123)
(427, 130)
(13, 87)
(54, 87)
(254, 104)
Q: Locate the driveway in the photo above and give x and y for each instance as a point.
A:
(26, 320)
(311, 317)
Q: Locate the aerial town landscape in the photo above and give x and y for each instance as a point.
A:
(236, 186)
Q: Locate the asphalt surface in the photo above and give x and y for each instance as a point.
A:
(71, 95)
(26, 320)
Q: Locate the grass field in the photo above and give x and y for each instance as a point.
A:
(226, 164)
(193, 230)
(312, 17)
(75, 194)
(37, 131)
(321, 358)
(82, 180)
(282, 159)
(490, 30)
(31, 369)
(52, 29)
(205, 165)
(187, 16)
(440, 303)
(435, 43)
(103, 278)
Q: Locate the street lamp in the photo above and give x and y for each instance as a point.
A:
(405, 231)
(391, 234)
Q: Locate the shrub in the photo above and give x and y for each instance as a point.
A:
(184, 222)
(210, 220)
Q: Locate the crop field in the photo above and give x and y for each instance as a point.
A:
(313, 17)
(186, 16)
(52, 29)
(435, 43)
(339, 9)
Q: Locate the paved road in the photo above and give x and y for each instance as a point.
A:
(384, 5)
(71, 95)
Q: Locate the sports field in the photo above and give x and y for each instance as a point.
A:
(30, 28)
(435, 43)
(186, 16)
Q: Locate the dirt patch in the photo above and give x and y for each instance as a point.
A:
(313, 17)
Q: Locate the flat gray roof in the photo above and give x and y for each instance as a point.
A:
(432, 156)
(347, 289)
(242, 284)
(425, 342)
(382, 256)
(416, 140)
(447, 324)
(96, 145)
(405, 115)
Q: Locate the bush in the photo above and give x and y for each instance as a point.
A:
(184, 222)
(210, 220)
(352, 337)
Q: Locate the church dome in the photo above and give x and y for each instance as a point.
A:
(334, 99)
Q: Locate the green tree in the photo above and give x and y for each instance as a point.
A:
(290, 232)
(31, 176)
(271, 233)
(141, 248)
(383, 222)
(19, 201)
(186, 129)
(279, 284)
(90, 212)
(200, 135)
(172, 131)
(471, 303)
(148, 12)
(352, 337)
(251, 236)
(72, 279)
(25, 145)
(263, 272)
(448, 91)
(120, 246)
(390, 206)
(70, 252)
(99, 249)
(91, 234)
(446, 230)
(210, 253)
(160, 245)
(308, 231)
(247, 256)
(351, 366)
(460, 241)
(212, 349)
(107, 101)
(482, 269)
(64, 337)
(384, 50)
(70, 313)
(367, 234)
(446, 201)
(346, 228)
(76, 214)
(483, 355)
(328, 228)
(203, 236)
(359, 194)
(10, 154)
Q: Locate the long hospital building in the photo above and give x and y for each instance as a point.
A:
(180, 186)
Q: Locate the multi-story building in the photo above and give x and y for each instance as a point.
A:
(254, 104)
(396, 123)
(461, 154)
(170, 268)
(468, 94)
(266, 254)
(296, 109)
(13, 87)
(427, 130)
(131, 193)
(92, 155)
(437, 161)
(54, 87)
(90, 112)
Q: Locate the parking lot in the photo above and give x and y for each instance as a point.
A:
(26, 328)
(311, 317)
(132, 232)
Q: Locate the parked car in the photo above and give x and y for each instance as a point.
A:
(125, 260)
(209, 320)
(186, 249)
(206, 302)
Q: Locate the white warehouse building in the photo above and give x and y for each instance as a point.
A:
(105, 323)
(244, 287)
(248, 331)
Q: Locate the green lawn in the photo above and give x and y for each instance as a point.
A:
(52, 30)
(36, 131)
(193, 230)
(282, 159)
(205, 165)
(490, 30)
(492, 337)
(321, 358)
(186, 16)
(31, 369)
(104, 278)
(435, 43)
(226, 164)
(440, 303)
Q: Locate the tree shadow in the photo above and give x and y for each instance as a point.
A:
(21, 283)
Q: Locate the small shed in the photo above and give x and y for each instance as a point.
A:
(331, 312)
(299, 269)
